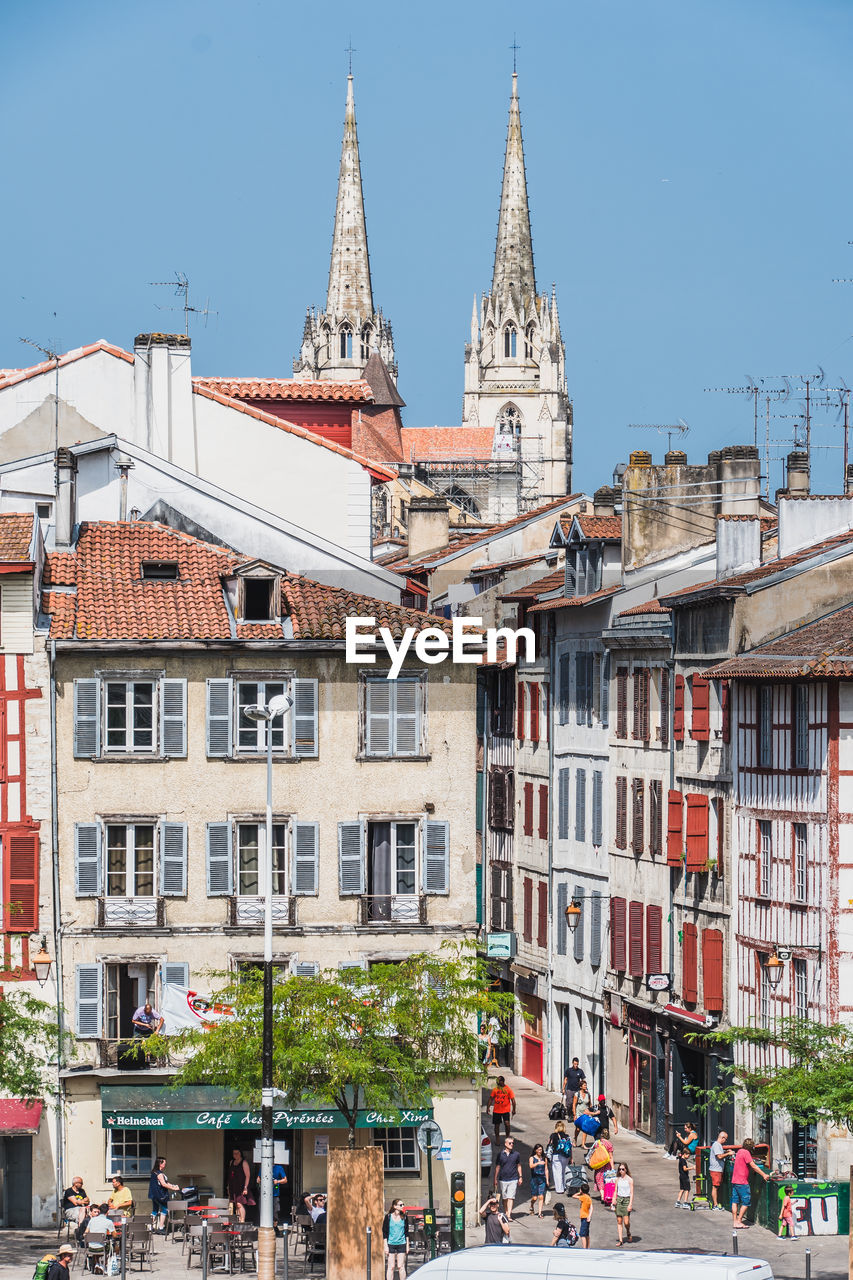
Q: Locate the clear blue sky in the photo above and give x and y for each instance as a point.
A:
(688, 167)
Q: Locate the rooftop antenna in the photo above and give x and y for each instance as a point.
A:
(679, 428)
(181, 285)
(53, 355)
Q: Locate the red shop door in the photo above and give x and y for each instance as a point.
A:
(532, 1058)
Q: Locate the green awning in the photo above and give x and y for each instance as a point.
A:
(206, 1107)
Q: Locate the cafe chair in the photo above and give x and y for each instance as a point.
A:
(244, 1240)
(316, 1250)
(139, 1245)
(219, 1251)
(96, 1251)
(192, 1243)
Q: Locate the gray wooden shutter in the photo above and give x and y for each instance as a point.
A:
(563, 784)
(89, 992)
(580, 688)
(580, 804)
(577, 940)
(589, 677)
(173, 859)
(306, 857)
(377, 694)
(605, 688)
(562, 926)
(219, 718)
(304, 719)
(304, 968)
(597, 807)
(87, 717)
(176, 973)
(437, 858)
(351, 858)
(595, 930)
(565, 681)
(173, 718)
(87, 859)
(220, 869)
(407, 735)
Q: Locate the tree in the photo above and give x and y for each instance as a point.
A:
(30, 1043)
(349, 1038)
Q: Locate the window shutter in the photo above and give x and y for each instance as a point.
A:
(509, 802)
(712, 970)
(580, 688)
(437, 858)
(528, 808)
(621, 813)
(621, 702)
(542, 936)
(306, 857)
(655, 817)
(697, 833)
(595, 930)
(678, 710)
(562, 926)
(654, 939)
(219, 717)
(351, 858)
(304, 717)
(546, 711)
(689, 984)
(87, 717)
(378, 716)
(641, 704)
(664, 706)
(406, 697)
(497, 800)
(617, 934)
(519, 732)
(638, 817)
(305, 968)
(563, 783)
(528, 909)
(725, 710)
(173, 859)
(497, 905)
(173, 718)
(534, 711)
(87, 859)
(220, 870)
(176, 973)
(543, 813)
(605, 689)
(700, 715)
(674, 821)
(577, 940)
(580, 804)
(635, 939)
(89, 991)
(565, 678)
(597, 808)
(21, 882)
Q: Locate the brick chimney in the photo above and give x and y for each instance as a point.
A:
(604, 501)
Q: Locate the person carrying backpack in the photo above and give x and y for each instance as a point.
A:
(53, 1266)
(559, 1151)
(565, 1232)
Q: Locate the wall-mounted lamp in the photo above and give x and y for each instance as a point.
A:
(774, 968)
(573, 914)
(41, 963)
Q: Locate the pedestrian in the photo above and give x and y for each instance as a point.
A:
(572, 1081)
(565, 1234)
(600, 1160)
(239, 1178)
(279, 1182)
(491, 1035)
(716, 1156)
(58, 1269)
(508, 1175)
(560, 1153)
(624, 1202)
(606, 1118)
(496, 1223)
(395, 1233)
(786, 1216)
(539, 1180)
(586, 1212)
(502, 1106)
(75, 1201)
(582, 1105)
(158, 1193)
(683, 1180)
(740, 1182)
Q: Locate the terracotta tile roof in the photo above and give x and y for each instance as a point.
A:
(738, 582)
(320, 612)
(818, 649)
(380, 440)
(647, 606)
(573, 602)
(8, 377)
(501, 566)
(605, 528)
(60, 569)
(357, 392)
(433, 444)
(16, 538)
(530, 591)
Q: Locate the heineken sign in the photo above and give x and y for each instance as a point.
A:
(240, 1119)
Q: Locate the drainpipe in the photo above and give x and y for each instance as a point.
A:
(484, 828)
(550, 979)
(57, 936)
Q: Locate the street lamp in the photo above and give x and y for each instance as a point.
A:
(267, 712)
(774, 967)
(573, 914)
(41, 963)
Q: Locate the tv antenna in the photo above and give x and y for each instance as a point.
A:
(679, 428)
(53, 355)
(181, 285)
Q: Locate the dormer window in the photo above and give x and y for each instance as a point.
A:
(160, 570)
(259, 599)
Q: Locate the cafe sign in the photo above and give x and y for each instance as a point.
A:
(240, 1118)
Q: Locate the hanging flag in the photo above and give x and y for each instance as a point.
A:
(182, 1008)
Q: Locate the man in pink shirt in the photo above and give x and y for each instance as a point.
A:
(740, 1182)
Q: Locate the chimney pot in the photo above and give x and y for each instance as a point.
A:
(675, 458)
(640, 458)
(798, 473)
(604, 501)
(428, 525)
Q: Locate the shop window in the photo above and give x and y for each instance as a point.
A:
(130, 1152)
(400, 1149)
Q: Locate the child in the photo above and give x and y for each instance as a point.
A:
(683, 1200)
(586, 1212)
(787, 1215)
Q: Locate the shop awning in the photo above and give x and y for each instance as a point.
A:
(19, 1117)
(687, 1015)
(206, 1107)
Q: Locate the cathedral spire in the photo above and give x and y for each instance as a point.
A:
(513, 276)
(350, 293)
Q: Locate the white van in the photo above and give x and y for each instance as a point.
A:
(540, 1262)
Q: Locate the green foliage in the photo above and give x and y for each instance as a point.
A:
(30, 1044)
(348, 1038)
(806, 1069)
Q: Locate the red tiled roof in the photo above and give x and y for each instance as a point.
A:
(573, 602)
(531, 590)
(60, 569)
(605, 528)
(357, 392)
(818, 649)
(16, 538)
(380, 440)
(739, 581)
(432, 444)
(320, 612)
(10, 376)
(647, 606)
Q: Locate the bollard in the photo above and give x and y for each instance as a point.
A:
(204, 1249)
(808, 1264)
(369, 1259)
(734, 1243)
(124, 1227)
(286, 1233)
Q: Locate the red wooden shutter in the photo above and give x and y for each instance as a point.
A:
(621, 702)
(654, 934)
(21, 883)
(674, 840)
(534, 711)
(621, 813)
(664, 706)
(519, 731)
(700, 723)
(528, 808)
(725, 710)
(689, 978)
(617, 933)
(543, 914)
(712, 970)
(697, 833)
(543, 813)
(641, 704)
(678, 710)
(528, 909)
(635, 939)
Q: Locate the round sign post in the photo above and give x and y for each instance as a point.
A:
(430, 1138)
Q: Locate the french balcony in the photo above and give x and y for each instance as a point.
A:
(130, 913)
(392, 909)
(249, 911)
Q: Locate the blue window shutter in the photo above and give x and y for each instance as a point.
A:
(595, 930)
(173, 859)
(173, 718)
(220, 868)
(87, 859)
(377, 693)
(563, 783)
(580, 804)
(304, 717)
(87, 717)
(577, 940)
(306, 857)
(562, 926)
(597, 809)
(219, 740)
(89, 991)
(605, 688)
(437, 858)
(565, 682)
(351, 858)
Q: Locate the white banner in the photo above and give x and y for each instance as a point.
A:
(182, 1008)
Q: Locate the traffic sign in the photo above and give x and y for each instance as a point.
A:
(429, 1137)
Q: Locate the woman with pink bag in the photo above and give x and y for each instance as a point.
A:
(600, 1160)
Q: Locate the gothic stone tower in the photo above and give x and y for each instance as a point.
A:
(337, 342)
(515, 363)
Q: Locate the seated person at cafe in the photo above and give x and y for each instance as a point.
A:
(318, 1209)
(121, 1198)
(146, 1021)
(99, 1224)
(74, 1201)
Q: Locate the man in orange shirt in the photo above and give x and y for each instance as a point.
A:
(502, 1106)
(586, 1213)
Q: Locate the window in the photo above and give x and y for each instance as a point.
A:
(528, 909)
(638, 816)
(801, 726)
(252, 734)
(763, 992)
(563, 784)
(129, 716)
(130, 1152)
(501, 798)
(394, 716)
(251, 858)
(230, 732)
(528, 808)
(44, 510)
(765, 856)
(400, 1147)
(130, 861)
(655, 817)
(345, 339)
(800, 862)
(258, 599)
(510, 342)
(326, 335)
(127, 986)
(801, 990)
(543, 813)
(392, 862)
(528, 342)
(678, 710)
(642, 677)
(584, 687)
(542, 932)
(236, 862)
(621, 839)
(366, 333)
(580, 805)
(765, 726)
(20, 887)
(502, 914)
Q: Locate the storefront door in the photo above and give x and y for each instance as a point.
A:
(245, 1140)
(641, 1081)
